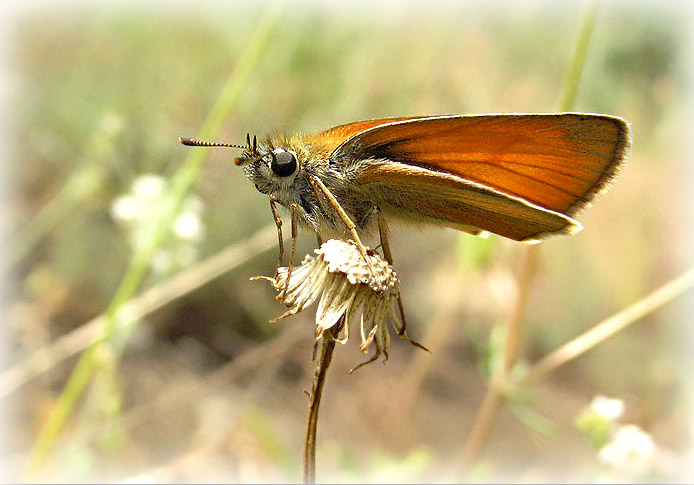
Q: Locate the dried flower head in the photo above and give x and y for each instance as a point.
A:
(346, 285)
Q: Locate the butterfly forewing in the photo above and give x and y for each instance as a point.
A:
(558, 162)
(339, 134)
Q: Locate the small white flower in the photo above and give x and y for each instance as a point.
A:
(136, 211)
(148, 186)
(188, 226)
(631, 451)
(125, 208)
(346, 285)
(611, 409)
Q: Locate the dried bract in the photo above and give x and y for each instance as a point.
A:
(346, 285)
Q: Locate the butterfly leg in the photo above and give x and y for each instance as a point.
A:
(278, 224)
(385, 246)
(292, 253)
(319, 187)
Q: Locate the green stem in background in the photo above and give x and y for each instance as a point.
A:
(117, 325)
(154, 298)
(81, 185)
(185, 178)
(496, 391)
(573, 76)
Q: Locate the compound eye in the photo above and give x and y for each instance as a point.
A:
(283, 164)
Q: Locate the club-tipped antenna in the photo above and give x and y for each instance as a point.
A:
(193, 142)
(245, 160)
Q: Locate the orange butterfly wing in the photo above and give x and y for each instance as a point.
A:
(339, 134)
(520, 176)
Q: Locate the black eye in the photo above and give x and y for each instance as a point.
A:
(283, 164)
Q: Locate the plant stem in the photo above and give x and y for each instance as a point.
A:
(117, 325)
(324, 359)
(605, 329)
(494, 397)
(51, 354)
(573, 77)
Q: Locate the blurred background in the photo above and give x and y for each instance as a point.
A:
(201, 387)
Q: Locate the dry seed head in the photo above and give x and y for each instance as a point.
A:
(338, 273)
(345, 258)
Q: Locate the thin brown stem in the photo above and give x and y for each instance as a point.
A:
(50, 355)
(494, 397)
(480, 429)
(513, 331)
(495, 391)
(607, 328)
(324, 358)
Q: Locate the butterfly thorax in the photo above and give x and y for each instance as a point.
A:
(295, 188)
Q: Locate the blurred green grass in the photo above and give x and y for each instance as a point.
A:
(112, 88)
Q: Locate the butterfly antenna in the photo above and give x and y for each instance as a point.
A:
(245, 160)
(192, 142)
